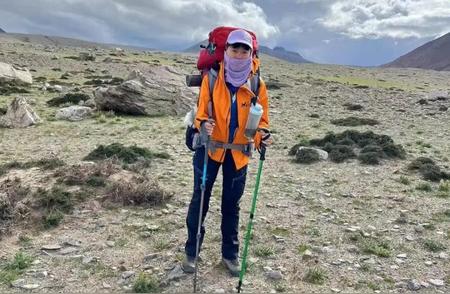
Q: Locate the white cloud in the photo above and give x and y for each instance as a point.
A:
(169, 22)
(388, 18)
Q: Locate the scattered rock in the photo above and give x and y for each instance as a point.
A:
(414, 285)
(176, 273)
(274, 275)
(51, 247)
(68, 250)
(150, 257)
(89, 103)
(15, 75)
(18, 283)
(19, 115)
(353, 229)
(436, 282)
(127, 274)
(88, 259)
(74, 113)
(30, 286)
(74, 243)
(86, 56)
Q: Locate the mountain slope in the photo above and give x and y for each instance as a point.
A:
(277, 52)
(281, 53)
(2, 31)
(64, 41)
(432, 55)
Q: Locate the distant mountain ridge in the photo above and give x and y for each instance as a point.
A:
(2, 31)
(432, 55)
(283, 54)
(277, 52)
(65, 41)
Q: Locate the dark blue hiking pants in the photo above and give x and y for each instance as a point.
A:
(232, 189)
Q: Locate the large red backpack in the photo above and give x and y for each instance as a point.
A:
(215, 49)
(208, 63)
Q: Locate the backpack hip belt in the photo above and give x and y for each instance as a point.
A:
(244, 148)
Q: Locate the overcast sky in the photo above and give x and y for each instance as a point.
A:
(355, 32)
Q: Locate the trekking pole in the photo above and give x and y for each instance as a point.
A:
(200, 214)
(262, 157)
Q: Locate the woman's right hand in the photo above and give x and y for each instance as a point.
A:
(208, 126)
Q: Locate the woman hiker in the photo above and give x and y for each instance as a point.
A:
(231, 103)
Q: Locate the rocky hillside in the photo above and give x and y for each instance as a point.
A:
(432, 55)
(354, 194)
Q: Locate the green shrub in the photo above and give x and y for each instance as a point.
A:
(428, 169)
(13, 269)
(371, 158)
(126, 154)
(354, 121)
(374, 147)
(417, 163)
(264, 251)
(424, 187)
(307, 156)
(146, 284)
(56, 198)
(433, 246)
(351, 106)
(315, 276)
(432, 173)
(339, 153)
(52, 219)
(69, 98)
(377, 247)
(45, 163)
(404, 180)
(96, 181)
(7, 89)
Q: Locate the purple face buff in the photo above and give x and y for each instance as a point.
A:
(237, 70)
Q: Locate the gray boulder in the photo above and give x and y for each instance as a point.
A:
(19, 115)
(13, 74)
(86, 56)
(74, 113)
(159, 91)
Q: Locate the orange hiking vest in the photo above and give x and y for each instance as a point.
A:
(222, 113)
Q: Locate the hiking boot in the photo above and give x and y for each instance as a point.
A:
(232, 266)
(188, 264)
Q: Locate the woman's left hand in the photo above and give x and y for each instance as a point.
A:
(266, 138)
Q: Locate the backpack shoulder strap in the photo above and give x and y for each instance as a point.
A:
(254, 86)
(212, 77)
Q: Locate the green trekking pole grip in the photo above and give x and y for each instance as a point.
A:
(262, 157)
